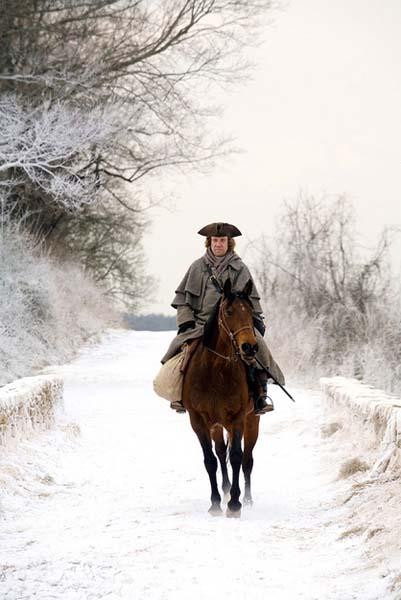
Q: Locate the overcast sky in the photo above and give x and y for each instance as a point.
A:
(322, 114)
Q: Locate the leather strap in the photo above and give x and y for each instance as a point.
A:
(214, 279)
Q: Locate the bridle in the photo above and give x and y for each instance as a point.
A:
(236, 353)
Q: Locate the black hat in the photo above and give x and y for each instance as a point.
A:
(220, 230)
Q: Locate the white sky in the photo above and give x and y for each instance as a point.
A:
(322, 114)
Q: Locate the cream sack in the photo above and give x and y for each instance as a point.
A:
(168, 381)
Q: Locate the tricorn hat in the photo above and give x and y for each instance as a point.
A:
(220, 230)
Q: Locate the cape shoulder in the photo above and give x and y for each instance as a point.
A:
(197, 272)
(192, 286)
(192, 280)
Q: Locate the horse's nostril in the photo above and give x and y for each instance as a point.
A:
(248, 349)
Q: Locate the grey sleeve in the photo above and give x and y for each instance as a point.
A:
(184, 314)
(179, 298)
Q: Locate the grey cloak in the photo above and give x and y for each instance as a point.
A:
(196, 296)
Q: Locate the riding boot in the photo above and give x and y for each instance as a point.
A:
(260, 393)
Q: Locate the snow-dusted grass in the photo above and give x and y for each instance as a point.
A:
(120, 511)
(352, 466)
(28, 405)
(47, 309)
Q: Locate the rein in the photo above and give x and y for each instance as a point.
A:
(231, 334)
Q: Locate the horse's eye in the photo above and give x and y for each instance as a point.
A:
(229, 312)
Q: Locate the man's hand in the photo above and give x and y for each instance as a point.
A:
(259, 325)
(185, 326)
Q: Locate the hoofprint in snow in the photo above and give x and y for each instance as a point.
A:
(113, 502)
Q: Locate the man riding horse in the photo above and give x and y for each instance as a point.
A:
(200, 291)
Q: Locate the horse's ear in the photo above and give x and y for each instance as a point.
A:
(248, 288)
(227, 288)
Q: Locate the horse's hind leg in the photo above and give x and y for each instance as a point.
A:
(221, 451)
(210, 461)
(250, 437)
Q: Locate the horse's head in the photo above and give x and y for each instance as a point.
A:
(236, 319)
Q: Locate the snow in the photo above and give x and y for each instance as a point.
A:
(113, 502)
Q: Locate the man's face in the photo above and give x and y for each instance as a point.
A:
(219, 245)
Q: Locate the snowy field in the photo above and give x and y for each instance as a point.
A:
(113, 502)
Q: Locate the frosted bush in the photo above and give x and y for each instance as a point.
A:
(337, 302)
(307, 349)
(47, 309)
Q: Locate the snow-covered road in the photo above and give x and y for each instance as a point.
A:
(113, 503)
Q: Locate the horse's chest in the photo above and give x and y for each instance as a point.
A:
(218, 382)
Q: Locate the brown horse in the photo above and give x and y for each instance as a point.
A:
(216, 395)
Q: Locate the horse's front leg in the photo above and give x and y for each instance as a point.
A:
(221, 451)
(250, 437)
(234, 505)
(210, 461)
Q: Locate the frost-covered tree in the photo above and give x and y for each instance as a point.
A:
(106, 239)
(152, 63)
(318, 259)
(41, 148)
(331, 303)
(157, 59)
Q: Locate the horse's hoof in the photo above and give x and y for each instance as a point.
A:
(215, 511)
(233, 514)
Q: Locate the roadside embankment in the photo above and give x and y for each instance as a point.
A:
(362, 436)
(28, 404)
(370, 413)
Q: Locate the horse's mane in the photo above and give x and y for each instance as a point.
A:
(210, 324)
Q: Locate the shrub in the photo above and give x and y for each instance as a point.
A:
(333, 308)
(47, 309)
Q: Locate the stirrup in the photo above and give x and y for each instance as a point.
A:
(178, 406)
(261, 410)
